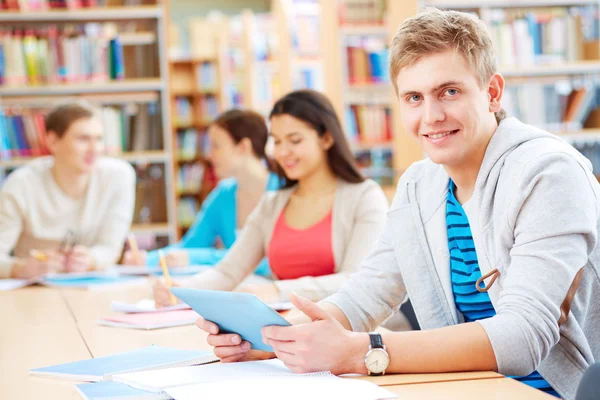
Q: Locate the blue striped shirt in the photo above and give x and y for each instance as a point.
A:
(464, 272)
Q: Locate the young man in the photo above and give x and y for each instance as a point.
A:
(493, 237)
(70, 211)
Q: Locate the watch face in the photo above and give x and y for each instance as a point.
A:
(377, 361)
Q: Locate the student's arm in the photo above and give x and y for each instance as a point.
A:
(242, 258)
(368, 224)
(200, 238)
(11, 225)
(554, 221)
(113, 231)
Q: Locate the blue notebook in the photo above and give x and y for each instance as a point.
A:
(116, 391)
(241, 313)
(144, 359)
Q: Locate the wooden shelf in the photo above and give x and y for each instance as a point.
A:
(96, 98)
(155, 229)
(369, 93)
(117, 86)
(470, 4)
(585, 136)
(572, 68)
(188, 193)
(372, 146)
(84, 14)
(157, 156)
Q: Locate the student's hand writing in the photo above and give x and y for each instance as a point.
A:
(79, 260)
(322, 345)
(162, 294)
(230, 347)
(32, 267)
(267, 292)
(177, 258)
(130, 258)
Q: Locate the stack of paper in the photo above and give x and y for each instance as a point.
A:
(151, 320)
(271, 378)
(145, 306)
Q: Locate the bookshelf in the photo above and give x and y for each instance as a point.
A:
(134, 92)
(552, 75)
(197, 98)
(355, 43)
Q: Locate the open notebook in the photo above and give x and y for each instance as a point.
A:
(271, 378)
(145, 359)
(152, 320)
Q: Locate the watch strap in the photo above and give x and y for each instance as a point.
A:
(376, 340)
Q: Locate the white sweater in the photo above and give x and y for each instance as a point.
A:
(36, 214)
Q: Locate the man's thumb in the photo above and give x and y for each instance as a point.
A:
(311, 309)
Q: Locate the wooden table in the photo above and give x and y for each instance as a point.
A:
(42, 326)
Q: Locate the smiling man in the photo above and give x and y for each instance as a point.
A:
(68, 212)
(493, 237)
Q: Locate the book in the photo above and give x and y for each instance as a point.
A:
(80, 280)
(157, 381)
(145, 359)
(115, 391)
(145, 306)
(152, 320)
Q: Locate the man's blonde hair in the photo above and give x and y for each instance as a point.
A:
(433, 31)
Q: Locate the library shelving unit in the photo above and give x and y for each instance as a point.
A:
(197, 97)
(354, 42)
(552, 61)
(140, 32)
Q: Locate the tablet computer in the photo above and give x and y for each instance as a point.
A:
(233, 312)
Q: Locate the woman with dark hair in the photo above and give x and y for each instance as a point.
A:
(237, 153)
(317, 229)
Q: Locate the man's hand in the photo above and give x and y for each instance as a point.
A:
(133, 258)
(177, 258)
(79, 260)
(33, 267)
(229, 347)
(321, 345)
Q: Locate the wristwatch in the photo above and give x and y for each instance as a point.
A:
(377, 358)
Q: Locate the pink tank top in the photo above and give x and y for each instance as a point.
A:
(294, 253)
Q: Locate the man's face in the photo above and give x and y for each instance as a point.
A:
(80, 146)
(445, 109)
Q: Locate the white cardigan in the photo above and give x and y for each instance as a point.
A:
(359, 213)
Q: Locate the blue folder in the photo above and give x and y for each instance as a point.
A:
(144, 359)
(241, 313)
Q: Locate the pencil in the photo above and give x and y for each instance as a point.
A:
(38, 255)
(165, 270)
(134, 247)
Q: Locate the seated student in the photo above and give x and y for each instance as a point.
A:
(66, 212)
(237, 153)
(494, 237)
(316, 230)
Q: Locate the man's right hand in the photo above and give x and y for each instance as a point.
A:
(230, 347)
(32, 267)
(130, 258)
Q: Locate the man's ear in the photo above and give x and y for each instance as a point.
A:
(246, 145)
(327, 141)
(52, 140)
(495, 92)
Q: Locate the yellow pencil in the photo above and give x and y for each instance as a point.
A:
(165, 270)
(38, 255)
(134, 247)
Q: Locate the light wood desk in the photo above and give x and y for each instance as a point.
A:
(44, 326)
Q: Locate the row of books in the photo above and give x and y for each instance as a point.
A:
(367, 60)
(543, 35)
(207, 76)
(377, 164)
(306, 33)
(368, 124)
(189, 178)
(557, 107)
(128, 128)
(183, 111)
(592, 152)
(207, 109)
(53, 54)
(235, 63)
(308, 77)
(187, 208)
(42, 5)
(362, 12)
(191, 144)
